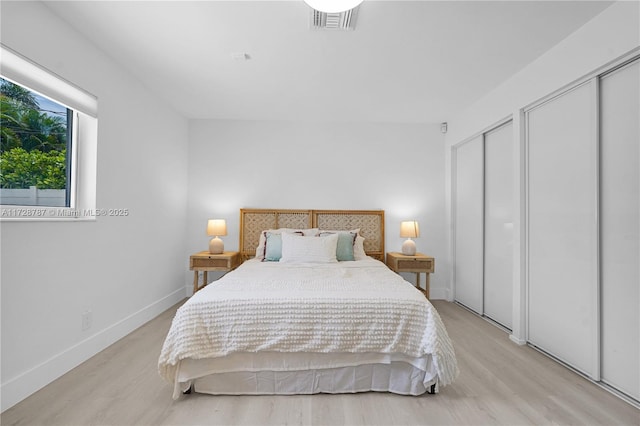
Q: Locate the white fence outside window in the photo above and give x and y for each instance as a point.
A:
(33, 196)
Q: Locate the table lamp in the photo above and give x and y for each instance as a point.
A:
(409, 230)
(216, 228)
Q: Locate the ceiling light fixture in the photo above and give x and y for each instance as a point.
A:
(333, 21)
(333, 6)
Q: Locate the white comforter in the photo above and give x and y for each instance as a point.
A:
(346, 307)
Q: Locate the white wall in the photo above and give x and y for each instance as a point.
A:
(395, 167)
(610, 35)
(126, 270)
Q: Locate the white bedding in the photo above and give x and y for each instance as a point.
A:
(359, 309)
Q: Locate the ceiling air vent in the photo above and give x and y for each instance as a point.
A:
(334, 21)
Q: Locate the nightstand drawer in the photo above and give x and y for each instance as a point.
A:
(205, 261)
(415, 264)
(210, 263)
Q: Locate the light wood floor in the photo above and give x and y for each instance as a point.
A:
(499, 383)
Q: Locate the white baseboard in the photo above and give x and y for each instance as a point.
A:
(18, 388)
(517, 340)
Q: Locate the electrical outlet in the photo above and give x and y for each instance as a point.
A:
(86, 320)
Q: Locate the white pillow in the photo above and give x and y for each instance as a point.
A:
(260, 250)
(358, 248)
(309, 249)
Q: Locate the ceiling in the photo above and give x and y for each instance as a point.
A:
(405, 62)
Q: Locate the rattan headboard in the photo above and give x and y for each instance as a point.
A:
(370, 223)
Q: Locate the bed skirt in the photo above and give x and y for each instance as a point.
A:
(288, 374)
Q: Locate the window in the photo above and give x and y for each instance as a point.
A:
(48, 141)
(35, 148)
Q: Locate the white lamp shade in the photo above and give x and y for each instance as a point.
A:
(409, 229)
(333, 6)
(217, 227)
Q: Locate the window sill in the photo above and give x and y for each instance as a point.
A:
(49, 214)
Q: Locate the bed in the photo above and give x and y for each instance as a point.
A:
(312, 309)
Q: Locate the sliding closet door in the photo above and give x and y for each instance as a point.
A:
(562, 229)
(498, 225)
(468, 242)
(620, 217)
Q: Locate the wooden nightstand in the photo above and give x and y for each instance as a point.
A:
(205, 262)
(418, 263)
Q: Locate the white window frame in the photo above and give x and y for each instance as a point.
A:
(20, 70)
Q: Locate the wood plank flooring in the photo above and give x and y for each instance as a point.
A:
(500, 383)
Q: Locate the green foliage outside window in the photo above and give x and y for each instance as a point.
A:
(22, 169)
(33, 141)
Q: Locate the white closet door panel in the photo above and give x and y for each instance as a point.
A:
(469, 224)
(498, 226)
(620, 216)
(562, 234)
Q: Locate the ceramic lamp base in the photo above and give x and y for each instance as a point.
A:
(409, 247)
(216, 246)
